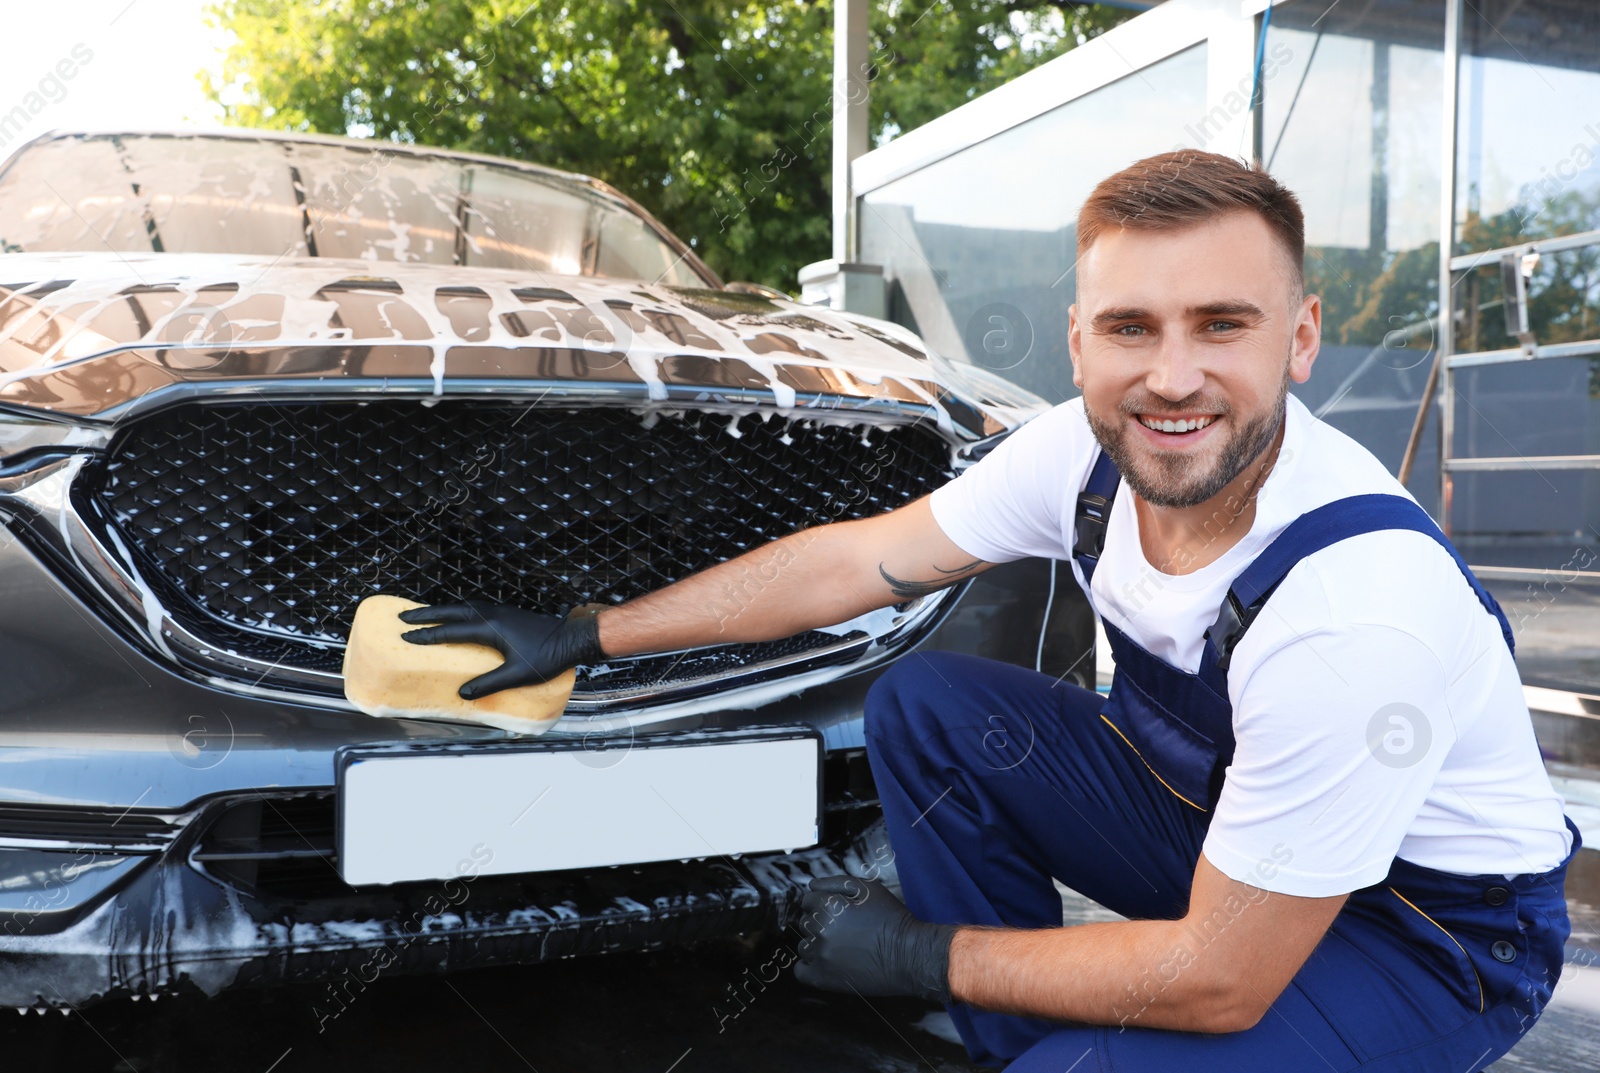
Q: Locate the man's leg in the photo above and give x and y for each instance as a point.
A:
(1366, 1002)
(994, 779)
(1291, 1038)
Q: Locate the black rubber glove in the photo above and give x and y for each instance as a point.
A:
(869, 941)
(537, 647)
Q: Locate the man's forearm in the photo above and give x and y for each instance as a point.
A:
(774, 591)
(1149, 973)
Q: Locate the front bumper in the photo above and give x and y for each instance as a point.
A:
(122, 783)
(170, 929)
(117, 773)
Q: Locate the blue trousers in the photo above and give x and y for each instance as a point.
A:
(994, 779)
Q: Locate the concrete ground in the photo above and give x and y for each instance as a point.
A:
(664, 1012)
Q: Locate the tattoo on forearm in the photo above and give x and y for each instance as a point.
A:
(909, 587)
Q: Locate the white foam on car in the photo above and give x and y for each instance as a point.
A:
(854, 344)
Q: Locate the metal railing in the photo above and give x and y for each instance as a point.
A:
(1517, 265)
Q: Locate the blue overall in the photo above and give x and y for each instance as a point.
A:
(994, 779)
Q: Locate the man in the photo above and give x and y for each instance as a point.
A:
(1314, 789)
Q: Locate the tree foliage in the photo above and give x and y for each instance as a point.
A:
(1564, 291)
(716, 117)
(1370, 295)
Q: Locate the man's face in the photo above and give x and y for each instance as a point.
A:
(1198, 331)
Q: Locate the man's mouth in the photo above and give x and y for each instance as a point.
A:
(1176, 426)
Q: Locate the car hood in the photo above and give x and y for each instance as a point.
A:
(99, 336)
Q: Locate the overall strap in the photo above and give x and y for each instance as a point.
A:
(1094, 508)
(1313, 531)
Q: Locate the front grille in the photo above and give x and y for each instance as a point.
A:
(260, 526)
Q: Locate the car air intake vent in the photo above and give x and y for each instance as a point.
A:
(284, 845)
(260, 526)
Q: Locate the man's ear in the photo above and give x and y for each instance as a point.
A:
(1074, 345)
(1307, 341)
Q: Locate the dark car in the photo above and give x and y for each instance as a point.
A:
(247, 380)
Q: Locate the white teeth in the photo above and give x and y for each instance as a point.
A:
(1168, 425)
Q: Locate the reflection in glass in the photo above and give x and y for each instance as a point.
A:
(1528, 164)
(1528, 153)
(630, 250)
(513, 223)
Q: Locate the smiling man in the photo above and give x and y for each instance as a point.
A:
(1314, 788)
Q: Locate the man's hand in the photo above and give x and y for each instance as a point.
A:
(537, 647)
(860, 936)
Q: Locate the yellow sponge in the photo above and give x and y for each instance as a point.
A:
(388, 676)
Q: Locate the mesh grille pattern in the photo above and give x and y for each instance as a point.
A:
(261, 526)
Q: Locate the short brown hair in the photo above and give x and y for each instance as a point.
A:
(1188, 186)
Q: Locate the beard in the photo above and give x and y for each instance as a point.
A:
(1183, 479)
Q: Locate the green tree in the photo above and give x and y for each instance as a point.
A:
(715, 117)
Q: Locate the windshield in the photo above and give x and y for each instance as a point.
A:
(186, 194)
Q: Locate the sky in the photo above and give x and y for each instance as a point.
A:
(144, 57)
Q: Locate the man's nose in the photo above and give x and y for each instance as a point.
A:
(1177, 373)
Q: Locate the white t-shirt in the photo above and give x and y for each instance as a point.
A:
(1376, 710)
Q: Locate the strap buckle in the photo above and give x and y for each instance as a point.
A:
(1229, 627)
(1090, 538)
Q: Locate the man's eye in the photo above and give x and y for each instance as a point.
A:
(1130, 330)
(1223, 326)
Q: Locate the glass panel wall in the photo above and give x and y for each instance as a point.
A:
(1353, 123)
(1527, 168)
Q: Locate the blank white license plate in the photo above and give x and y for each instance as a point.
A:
(436, 812)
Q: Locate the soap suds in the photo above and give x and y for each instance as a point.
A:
(193, 286)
